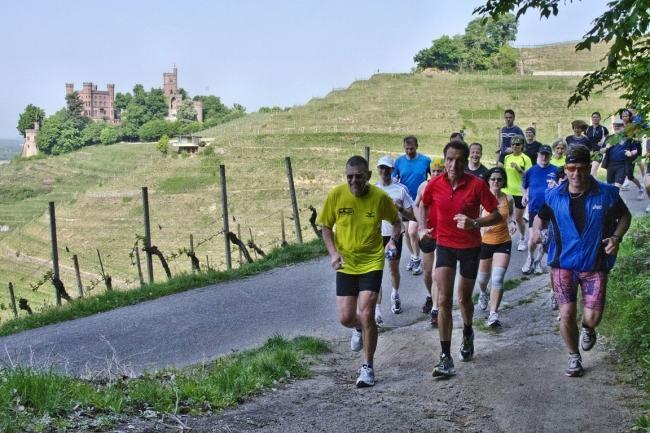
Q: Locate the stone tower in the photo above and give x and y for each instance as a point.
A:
(170, 82)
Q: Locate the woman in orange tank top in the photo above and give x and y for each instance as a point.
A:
(495, 248)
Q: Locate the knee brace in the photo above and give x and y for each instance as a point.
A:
(498, 275)
(483, 278)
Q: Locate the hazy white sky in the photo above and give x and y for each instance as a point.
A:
(256, 53)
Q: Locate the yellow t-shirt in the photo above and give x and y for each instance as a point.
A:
(357, 223)
(558, 162)
(514, 177)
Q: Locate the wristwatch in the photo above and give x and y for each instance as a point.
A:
(475, 224)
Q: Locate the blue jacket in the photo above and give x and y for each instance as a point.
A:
(568, 249)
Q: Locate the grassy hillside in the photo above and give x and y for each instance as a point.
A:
(563, 57)
(97, 190)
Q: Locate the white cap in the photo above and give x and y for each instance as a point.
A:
(387, 161)
(617, 121)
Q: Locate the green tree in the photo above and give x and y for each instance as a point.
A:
(163, 145)
(624, 26)
(153, 130)
(122, 100)
(186, 111)
(479, 48)
(91, 133)
(109, 135)
(73, 104)
(59, 134)
(27, 118)
(212, 107)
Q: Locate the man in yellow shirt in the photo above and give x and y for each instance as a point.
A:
(356, 252)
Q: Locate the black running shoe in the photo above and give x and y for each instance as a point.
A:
(467, 348)
(445, 367)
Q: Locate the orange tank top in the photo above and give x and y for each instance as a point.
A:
(498, 234)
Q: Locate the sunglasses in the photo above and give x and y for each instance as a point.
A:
(517, 144)
(496, 179)
(572, 168)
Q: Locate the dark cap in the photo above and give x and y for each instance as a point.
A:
(578, 154)
(545, 149)
(531, 129)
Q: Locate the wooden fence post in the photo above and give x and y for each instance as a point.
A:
(107, 278)
(80, 287)
(147, 234)
(294, 201)
(241, 257)
(559, 129)
(250, 232)
(284, 234)
(366, 152)
(137, 264)
(224, 211)
(12, 297)
(192, 251)
(55, 251)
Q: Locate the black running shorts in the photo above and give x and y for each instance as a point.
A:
(351, 285)
(468, 257)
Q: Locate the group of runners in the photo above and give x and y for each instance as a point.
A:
(456, 215)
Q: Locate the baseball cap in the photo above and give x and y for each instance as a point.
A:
(545, 149)
(617, 121)
(387, 161)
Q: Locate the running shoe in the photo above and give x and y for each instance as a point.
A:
(554, 305)
(427, 306)
(434, 318)
(522, 245)
(528, 265)
(483, 299)
(624, 187)
(396, 304)
(409, 265)
(467, 348)
(539, 270)
(356, 342)
(647, 210)
(587, 338)
(378, 319)
(417, 267)
(493, 320)
(444, 367)
(366, 377)
(640, 195)
(575, 366)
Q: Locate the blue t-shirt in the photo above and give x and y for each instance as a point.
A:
(536, 181)
(412, 172)
(507, 134)
(617, 152)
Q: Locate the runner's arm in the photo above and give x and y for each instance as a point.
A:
(624, 220)
(336, 261)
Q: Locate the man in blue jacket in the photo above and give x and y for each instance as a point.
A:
(587, 222)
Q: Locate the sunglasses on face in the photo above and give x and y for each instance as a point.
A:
(516, 144)
(572, 168)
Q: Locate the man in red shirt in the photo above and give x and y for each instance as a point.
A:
(451, 204)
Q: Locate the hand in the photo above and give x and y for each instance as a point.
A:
(336, 261)
(390, 245)
(425, 233)
(512, 227)
(611, 245)
(514, 165)
(463, 222)
(524, 200)
(628, 153)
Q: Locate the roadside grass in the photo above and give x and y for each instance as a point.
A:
(626, 316)
(32, 400)
(109, 300)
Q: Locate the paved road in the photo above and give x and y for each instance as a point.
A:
(205, 323)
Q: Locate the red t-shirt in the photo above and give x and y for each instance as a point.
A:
(444, 203)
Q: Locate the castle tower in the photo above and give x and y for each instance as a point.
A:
(29, 146)
(69, 88)
(170, 82)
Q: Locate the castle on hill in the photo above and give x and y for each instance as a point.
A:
(99, 105)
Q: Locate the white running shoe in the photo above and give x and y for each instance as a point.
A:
(587, 338)
(640, 195)
(493, 320)
(417, 266)
(539, 270)
(409, 265)
(528, 265)
(366, 377)
(647, 210)
(523, 245)
(379, 320)
(356, 342)
(483, 299)
(396, 306)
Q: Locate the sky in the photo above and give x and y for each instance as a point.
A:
(255, 53)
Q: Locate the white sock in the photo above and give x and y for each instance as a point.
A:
(394, 294)
(377, 309)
